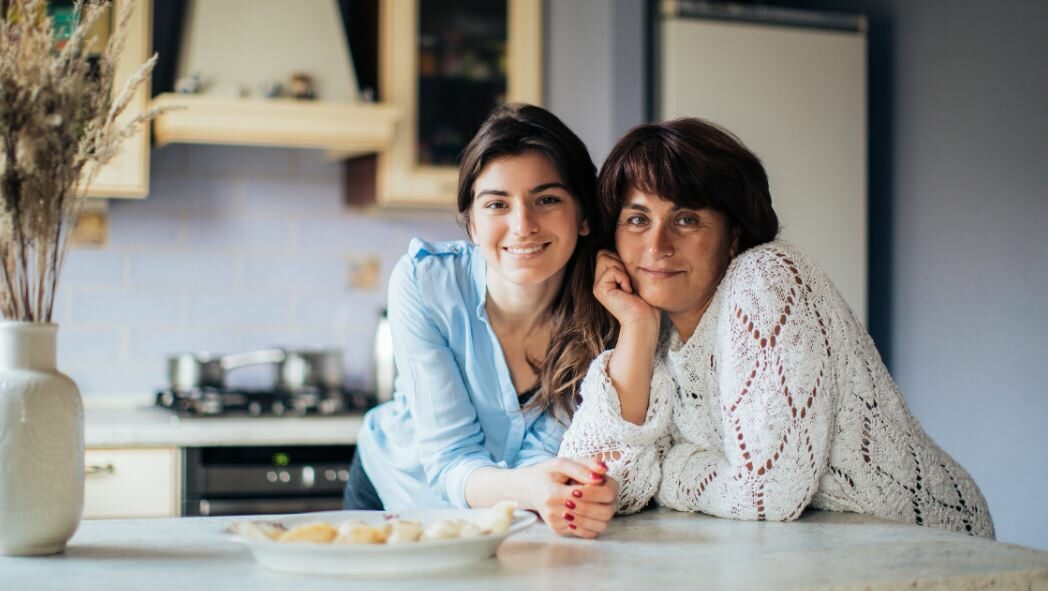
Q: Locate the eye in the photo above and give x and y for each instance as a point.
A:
(495, 205)
(688, 220)
(636, 220)
(549, 200)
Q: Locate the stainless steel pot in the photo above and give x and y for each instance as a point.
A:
(293, 369)
(306, 368)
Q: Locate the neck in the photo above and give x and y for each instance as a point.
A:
(687, 321)
(521, 307)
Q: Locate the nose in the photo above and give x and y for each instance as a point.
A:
(524, 222)
(660, 243)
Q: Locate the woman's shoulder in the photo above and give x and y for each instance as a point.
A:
(770, 264)
(438, 269)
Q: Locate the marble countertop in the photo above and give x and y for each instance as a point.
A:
(656, 549)
(150, 426)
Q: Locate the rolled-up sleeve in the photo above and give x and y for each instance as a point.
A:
(448, 434)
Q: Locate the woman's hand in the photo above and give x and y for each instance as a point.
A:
(572, 496)
(613, 289)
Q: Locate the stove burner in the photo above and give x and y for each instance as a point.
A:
(210, 402)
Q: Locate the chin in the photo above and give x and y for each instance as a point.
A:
(663, 299)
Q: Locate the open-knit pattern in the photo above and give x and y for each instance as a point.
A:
(779, 401)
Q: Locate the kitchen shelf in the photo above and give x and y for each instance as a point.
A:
(343, 128)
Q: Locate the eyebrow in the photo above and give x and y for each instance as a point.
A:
(646, 209)
(533, 190)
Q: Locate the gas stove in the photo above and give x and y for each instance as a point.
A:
(223, 402)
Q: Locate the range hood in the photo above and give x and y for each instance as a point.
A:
(237, 47)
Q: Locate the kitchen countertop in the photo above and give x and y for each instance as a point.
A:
(655, 549)
(151, 426)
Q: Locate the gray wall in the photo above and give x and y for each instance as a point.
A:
(958, 203)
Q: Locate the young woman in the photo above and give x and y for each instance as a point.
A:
(760, 394)
(484, 344)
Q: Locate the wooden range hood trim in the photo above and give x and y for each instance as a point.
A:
(334, 126)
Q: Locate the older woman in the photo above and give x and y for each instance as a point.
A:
(760, 394)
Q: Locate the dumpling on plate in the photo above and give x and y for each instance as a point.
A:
(258, 531)
(498, 518)
(471, 530)
(402, 531)
(445, 529)
(358, 532)
(320, 533)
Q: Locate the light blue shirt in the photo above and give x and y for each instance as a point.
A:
(454, 407)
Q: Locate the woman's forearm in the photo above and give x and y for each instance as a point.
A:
(630, 369)
(487, 486)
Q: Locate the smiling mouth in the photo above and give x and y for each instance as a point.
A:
(659, 274)
(526, 252)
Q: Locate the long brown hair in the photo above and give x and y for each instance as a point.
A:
(514, 129)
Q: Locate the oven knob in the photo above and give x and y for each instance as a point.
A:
(254, 408)
(278, 408)
(285, 476)
(330, 475)
(271, 476)
(343, 475)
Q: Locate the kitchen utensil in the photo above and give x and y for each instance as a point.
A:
(385, 368)
(305, 368)
(187, 371)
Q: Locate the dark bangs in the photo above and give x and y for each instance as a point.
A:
(695, 165)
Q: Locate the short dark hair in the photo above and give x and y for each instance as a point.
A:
(694, 164)
(516, 128)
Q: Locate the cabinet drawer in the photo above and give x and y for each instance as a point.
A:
(131, 483)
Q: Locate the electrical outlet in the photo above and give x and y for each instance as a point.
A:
(362, 271)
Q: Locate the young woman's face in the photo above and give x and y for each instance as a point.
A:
(675, 257)
(524, 220)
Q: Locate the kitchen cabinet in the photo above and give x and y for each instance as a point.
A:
(127, 175)
(124, 483)
(444, 64)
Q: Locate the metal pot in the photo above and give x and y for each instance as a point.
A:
(309, 368)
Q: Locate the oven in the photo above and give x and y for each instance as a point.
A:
(249, 480)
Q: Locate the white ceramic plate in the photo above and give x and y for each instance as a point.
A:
(380, 559)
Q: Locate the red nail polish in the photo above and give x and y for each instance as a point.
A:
(569, 504)
(576, 493)
(571, 525)
(568, 516)
(596, 477)
(602, 464)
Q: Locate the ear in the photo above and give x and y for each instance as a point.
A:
(584, 228)
(734, 242)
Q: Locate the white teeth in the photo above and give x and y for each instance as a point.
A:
(524, 250)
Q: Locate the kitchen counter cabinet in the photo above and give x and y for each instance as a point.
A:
(656, 549)
(131, 483)
(158, 427)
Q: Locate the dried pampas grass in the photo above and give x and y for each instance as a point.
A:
(58, 127)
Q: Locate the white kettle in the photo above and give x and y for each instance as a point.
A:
(385, 369)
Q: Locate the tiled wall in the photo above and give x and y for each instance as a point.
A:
(234, 249)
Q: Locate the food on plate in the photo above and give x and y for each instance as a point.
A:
(495, 521)
(259, 531)
(310, 532)
(499, 518)
(402, 531)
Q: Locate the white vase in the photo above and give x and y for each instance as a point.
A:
(41, 443)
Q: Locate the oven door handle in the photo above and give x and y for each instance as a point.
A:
(270, 506)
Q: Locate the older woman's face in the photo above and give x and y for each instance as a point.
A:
(675, 257)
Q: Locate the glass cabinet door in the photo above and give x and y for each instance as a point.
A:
(446, 64)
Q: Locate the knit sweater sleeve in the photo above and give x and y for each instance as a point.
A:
(632, 452)
(774, 399)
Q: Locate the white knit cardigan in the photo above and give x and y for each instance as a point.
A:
(777, 402)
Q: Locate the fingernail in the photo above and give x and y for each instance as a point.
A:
(596, 477)
(602, 464)
(568, 516)
(569, 504)
(576, 493)
(571, 525)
